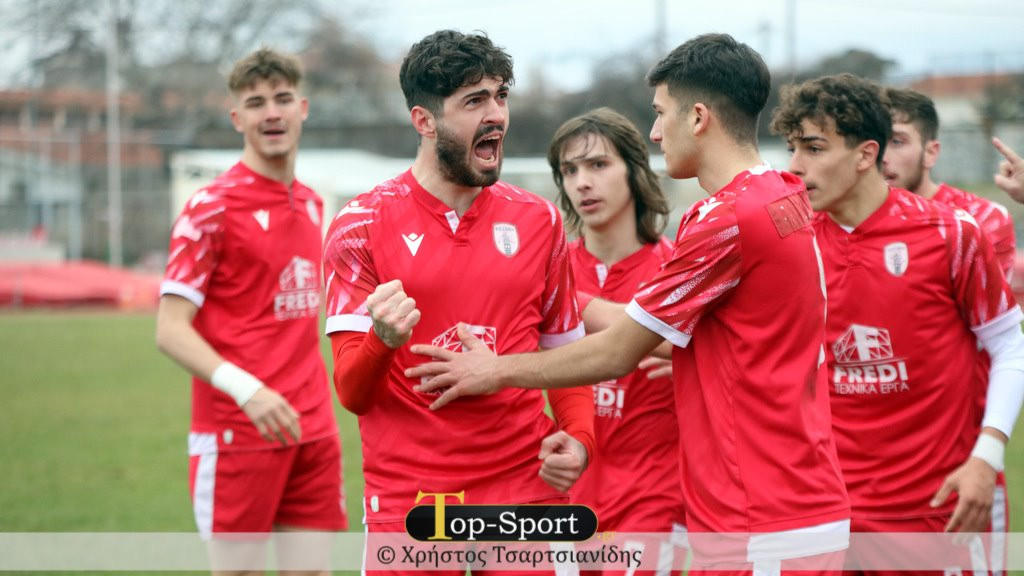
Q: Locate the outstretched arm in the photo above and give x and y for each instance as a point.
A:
(608, 354)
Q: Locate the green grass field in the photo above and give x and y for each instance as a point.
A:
(94, 423)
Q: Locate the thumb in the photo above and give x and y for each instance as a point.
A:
(942, 494)
(551, 445)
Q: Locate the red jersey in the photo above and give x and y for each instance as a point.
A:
(746, 284)
(993, 218)
(995, 222)
(905, 289)
(245, 251)
(503, 269)
(632, 482)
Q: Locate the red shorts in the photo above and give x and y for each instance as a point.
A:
(668, 556)
(253, 491)
(933, 556)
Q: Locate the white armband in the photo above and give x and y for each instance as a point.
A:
(991, 450)
(235, 382)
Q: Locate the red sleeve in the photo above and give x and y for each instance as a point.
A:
(361, 364)
(574, 412)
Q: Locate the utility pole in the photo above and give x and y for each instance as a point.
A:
(114, 211)
(791, 36)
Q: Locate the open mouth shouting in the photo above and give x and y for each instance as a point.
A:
(488, 146)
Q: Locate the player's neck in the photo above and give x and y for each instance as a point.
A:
(611, 244)
(428, 174)
(927, 188)
(860, 202)
(279, 168)
(723, 162)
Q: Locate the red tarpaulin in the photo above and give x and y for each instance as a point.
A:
(80, 283)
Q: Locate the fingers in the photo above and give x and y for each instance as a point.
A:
(435, 352)
(552, 444)
(446, 397)
(469, 341)
(393, 312)
(273, 417)
(1007, 152)
(943, 493)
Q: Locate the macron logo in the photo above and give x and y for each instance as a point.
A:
(262, 218)
(413, 241)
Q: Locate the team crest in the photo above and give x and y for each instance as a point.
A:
(896, 258)
(506, 238)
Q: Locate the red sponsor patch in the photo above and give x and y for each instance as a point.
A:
(790, 214)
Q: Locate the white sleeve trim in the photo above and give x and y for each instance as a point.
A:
(184, 290)
(1012, 317)
(1005, 394)
(348, 323)
(556, 340)
(649, 321)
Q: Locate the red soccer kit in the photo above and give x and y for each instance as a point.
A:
(905, 290)
(245, 251)
(632, 482)
(503, 269)
(746, 285)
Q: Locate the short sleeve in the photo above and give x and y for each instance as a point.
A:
(349, 272)
(560, 315)
(704, 268)
(195, 248)
(982, 293)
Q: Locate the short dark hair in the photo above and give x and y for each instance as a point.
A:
(728, 76)
(855, 105)
(264, 64)
(445, 61)
(649, 200)
(913, 107)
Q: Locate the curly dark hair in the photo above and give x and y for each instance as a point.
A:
(854, 104)
(729, 77)
(447, 60)
(912, 107)
(264, 64)
(649, 200)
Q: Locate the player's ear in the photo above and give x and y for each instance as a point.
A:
(699, 118)
(867, 154)
(423, 121)
(931, 153)
(235, 121)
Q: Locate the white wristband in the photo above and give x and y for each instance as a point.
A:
(991, 450)
(235, 382)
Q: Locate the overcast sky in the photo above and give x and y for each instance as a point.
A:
(564, 37)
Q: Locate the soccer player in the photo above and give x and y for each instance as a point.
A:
(742, 301)
(909, 158)
(913, 286)
(1010, 177)
(239, 309)
(614, 202)
(445, 244)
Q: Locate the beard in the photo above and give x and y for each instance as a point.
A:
(913, 180)
(453, 159)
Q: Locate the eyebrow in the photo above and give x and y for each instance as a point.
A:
(485, 92)
(586, 157)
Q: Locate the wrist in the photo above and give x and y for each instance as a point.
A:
(991, 450)
(235, 382)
